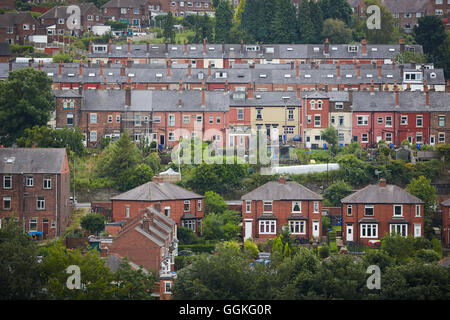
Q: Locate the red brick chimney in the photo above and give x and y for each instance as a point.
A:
(397, 103)
(169, 64)
(189, 69)
(104, 83)
(101, 67)
(129, 46)
(122, 71)
(80, 90)
(203, 93)
(338, 70)
(402, 45)
(364, 46)
(146, 222)
(60, 68)
(298, 91)
(226, 86)
(110, 46)
(209, 69)
(180, 85)
(379, 70)
(371, 86)
(326, 47)
(39, 65)
(282, 179)
(250, 91)
(427, 96)
(448, 86)
(382, 182)
(358, 68)
(386, 87)
(297, 69)
(128, 96)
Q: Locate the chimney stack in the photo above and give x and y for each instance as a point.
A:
(382, 182)
(358, 68)
(427, 94)
(129, 46)
(147, 46)
(109, 46)
(180, 103)
(282, 179)
(402, 45)
(39, 65)
(397, 103)
(203, 93)
(298, 91)
(128, 96)
(122, 71)
(338, 70)
(250, 91)
(209, 69)
(101, 67)
(146, 222)
(226, 86)
(326, 47)
(379, 70)
(364, 46)
(90, 46)
(80, 90)
(169, 64)
(297, 69)
(10, 64)
(130, 63)
(189, 69)
(180, 85)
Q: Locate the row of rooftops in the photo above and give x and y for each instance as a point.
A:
(269, 74)
(219, 101)
(251, 51)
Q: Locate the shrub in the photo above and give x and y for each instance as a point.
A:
(324, 252)
(251, 248)
(437, 246)
(198, 248)
(427, 255)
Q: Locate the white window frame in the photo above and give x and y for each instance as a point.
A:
(369, 206)
(7, 199)
(404, 120)
(33, 221)
(364, 138)
(349, 209)
(248, 206)
(10, 182)
(417, 210)
(47, 184)
(93, 118)
(416, 235)
(316, 207)
(297, 226)
(419, 118)
(388, 121)
(266, 226)
(29, 181)
(401, 210)
(199, 205)
(92, 134)
(267, 202)
(364, 120)
(188, 203)
(127, 211)
(297, 203)
(396, 227)
(371, 228)
(40, 203)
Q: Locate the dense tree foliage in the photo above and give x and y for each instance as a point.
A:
(27, 100)
(93, 223)
(224, 21)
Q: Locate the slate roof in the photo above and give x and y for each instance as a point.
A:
(61, 11)
(157, 191)
(274, 190)
(414, 101)
(375, 194)
(32, 160)
(406, 6)
(124, 3)
(446, 203)
(9, 19)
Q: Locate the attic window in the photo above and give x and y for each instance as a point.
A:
(391, 49)
(174, 48)
(369, 76)
(10, 160)
(131, 74)
(155, 47)
(193, 48)
(110, 73)
(50, 74)
(316, 49)
(118, 48)
(307, 76)
(262, 75)
(270, 50)
(159, 75)
(231, 49)
(334, 48)
(329, 76)
(348, 76)
(289, 49)
(71, 75)
(91, 74)
(287, 75)
(352, 48)
(389, 76)
(432, 75)
(258, 96)
(374, 49)
(240, 75)
(211, 48)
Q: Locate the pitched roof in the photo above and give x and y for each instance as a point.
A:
(406, 6)
(446, 203)
(274, 190)
(157, 191)
(374, 193)
(9, 19)
(61, 11)
(124, 3)
(32, 160)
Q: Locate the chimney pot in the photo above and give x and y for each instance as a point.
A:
(282, 179)
(382, 182)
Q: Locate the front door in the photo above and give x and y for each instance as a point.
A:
(315, 226)
(349, 233)
(248, 229)
(162, 140)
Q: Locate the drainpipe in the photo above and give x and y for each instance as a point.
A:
(56, 187)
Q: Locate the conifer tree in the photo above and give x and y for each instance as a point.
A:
(284, 23)
(306, 27)
(224, 21)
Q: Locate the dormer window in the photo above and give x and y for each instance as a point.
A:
(352, 48)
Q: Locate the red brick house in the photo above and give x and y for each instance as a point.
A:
(133, 12)
(380, 209)
(58, 16)
(182, 206)
(16, 27)
(150, 239)
(267, 209)
(446, 222)
(35, 189)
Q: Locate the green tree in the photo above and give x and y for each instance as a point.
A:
(19, 267)
(238, 14)
(93, 223)
(416, 281)
(284, 23)
(135, 284)
(168, 28)
(224, 21)
(337, 191)
(409, 56)
(97, 281)
(422, 189)
(427, 256)
(251, 248)
(317, 20)
(306, 28)
(132, 178)
(154, 161)
(336, 31)
(398, 247)
(221, 226)
(430, 33)
(26, 100)
(337, 9)
(186, 235)
(330, 135)
(214, 203)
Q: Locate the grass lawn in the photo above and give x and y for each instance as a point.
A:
(179, 37)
